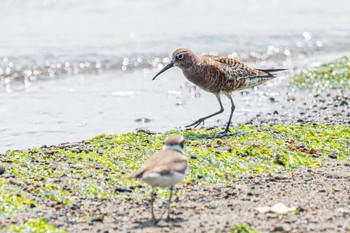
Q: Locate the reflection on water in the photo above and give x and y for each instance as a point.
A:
(45, 39)
(72, 69)
(17, 76)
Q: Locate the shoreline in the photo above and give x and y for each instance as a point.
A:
(329, 107)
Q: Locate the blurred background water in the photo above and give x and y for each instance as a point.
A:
(70, 70)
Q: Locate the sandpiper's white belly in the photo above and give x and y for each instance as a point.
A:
(168, 180)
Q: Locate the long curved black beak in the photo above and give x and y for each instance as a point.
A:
(170, 65)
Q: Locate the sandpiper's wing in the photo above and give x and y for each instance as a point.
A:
(237, 70)
(163, 162)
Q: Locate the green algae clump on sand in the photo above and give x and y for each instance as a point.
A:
(39, 225)
(333, 75)
(241, 228)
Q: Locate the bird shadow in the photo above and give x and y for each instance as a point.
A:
(214, 135)
(159, 223)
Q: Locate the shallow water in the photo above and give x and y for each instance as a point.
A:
(70, 70)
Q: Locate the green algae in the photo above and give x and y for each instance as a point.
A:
(334, 75)
(95, 169)
(39, 225)
(10, 204)
(241, 228)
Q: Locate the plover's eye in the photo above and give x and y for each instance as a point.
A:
(179, 56)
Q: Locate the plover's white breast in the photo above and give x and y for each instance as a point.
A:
(167, 180)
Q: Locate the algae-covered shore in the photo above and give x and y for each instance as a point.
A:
(303, 162)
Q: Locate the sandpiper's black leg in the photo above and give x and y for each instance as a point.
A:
(169, 202)
(152, 201)
(201, 120)
(229, 120)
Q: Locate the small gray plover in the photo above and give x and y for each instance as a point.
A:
(165, 168)
(217, 75)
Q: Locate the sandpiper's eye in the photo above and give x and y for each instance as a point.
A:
(179, 56)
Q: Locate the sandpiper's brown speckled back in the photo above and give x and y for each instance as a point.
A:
(219, 74)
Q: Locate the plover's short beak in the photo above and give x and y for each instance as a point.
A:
(170, 65)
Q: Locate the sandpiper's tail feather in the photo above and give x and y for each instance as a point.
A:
(271, 70)
(268, 72)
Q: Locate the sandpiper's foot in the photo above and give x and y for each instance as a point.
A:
(223, 133)
(195, 124)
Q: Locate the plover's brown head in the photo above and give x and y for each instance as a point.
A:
(182, 58)
(175, 142)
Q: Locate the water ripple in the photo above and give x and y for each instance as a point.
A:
(18, 72)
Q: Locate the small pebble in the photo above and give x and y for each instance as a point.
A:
(97, 219)
(122, 189)
(120, 213)
(278, 228)
(143, 120)
(58, 207)
(272, 99)
(29, 188)
(2, 169)
(343, 103)
(291, 98)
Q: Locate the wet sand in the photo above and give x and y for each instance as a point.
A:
(320, 197)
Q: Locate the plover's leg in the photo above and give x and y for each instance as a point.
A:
(152, 201)
(201, 120)
(229, 120)
(169, 202)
